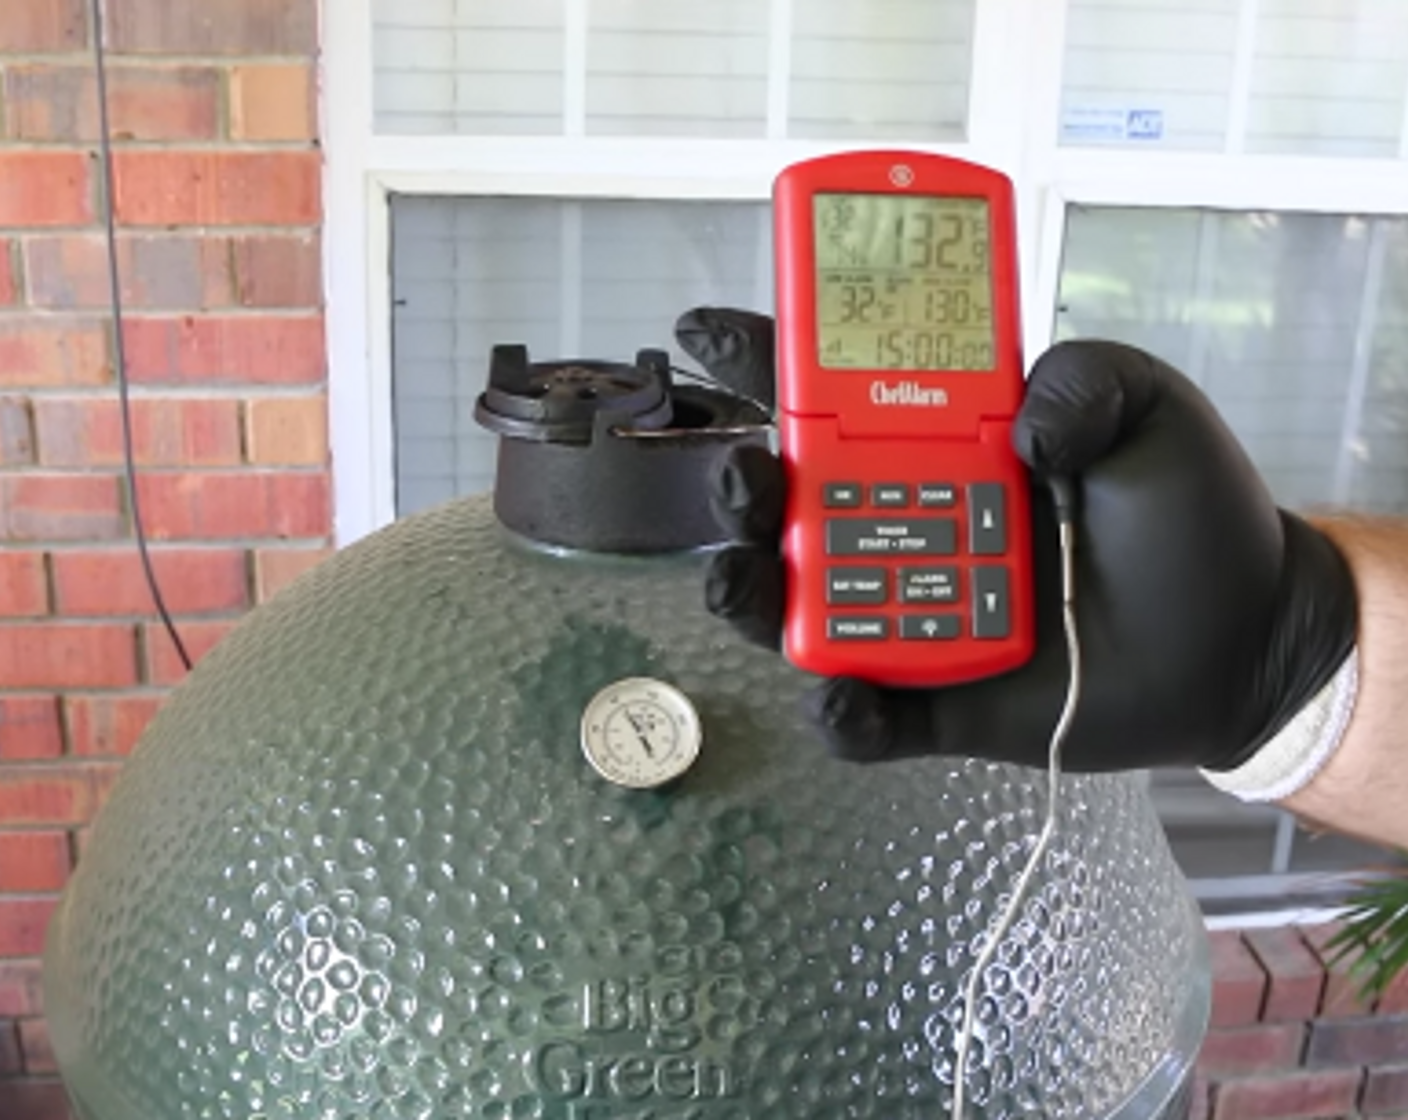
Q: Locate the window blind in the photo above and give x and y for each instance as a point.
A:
(1296, 326)
(1329, 78)
(867, 69)
(1322, 77)
(1148, 72)
(567, 278)
(443, 67)
(877, 69)
(463, 278)
(677, 67)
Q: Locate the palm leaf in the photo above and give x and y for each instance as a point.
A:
(1373, 933)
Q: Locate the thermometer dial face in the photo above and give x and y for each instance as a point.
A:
(640, 733)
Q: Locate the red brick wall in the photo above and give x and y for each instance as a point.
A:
(1291, 1038)
(219, 197)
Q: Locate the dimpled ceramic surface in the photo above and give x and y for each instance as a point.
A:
(358, 867)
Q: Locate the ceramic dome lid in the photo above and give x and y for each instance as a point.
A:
(361, 865)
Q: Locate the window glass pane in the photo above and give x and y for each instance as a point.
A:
(1320, 77)
(841, 69)
(1212, 838)
(1141, 73)
(1296, 325)
(467, 66)
(567, 278)
(677, 67)
(1293, 323)
(1329, 78)
(881, 68)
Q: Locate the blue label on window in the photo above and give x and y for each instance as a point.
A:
(1145, 124)
(1090, 124)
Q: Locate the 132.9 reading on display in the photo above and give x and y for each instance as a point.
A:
(903, 283)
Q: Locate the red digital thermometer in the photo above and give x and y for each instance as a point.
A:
(907, 540)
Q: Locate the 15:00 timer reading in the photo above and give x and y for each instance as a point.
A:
(903, 282)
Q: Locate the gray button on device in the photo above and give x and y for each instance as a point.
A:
(889, 495)
(865, 536)
(987, 519)
(928, 585)
(841, 495)
(929, 627)
(991, 605)
(936, 494)
(857, 629)
(848, 586)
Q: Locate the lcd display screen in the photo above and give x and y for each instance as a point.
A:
(903, 282)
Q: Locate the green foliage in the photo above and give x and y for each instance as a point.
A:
(1374, 932)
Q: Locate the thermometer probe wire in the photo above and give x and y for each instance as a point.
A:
(1062, 493)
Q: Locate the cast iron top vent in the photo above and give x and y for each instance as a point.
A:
(610, 456)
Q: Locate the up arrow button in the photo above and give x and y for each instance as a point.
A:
(987, 519)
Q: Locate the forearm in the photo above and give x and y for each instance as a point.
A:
(1362, 791)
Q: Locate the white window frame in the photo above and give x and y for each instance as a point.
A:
(363, 170)
(1014, 108)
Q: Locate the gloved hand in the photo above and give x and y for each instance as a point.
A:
(1207, 616)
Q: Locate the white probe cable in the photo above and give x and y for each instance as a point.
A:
(1058, 736)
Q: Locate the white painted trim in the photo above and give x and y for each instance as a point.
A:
(666, 158)
(1243, 182)
(997, 89)
(1403, 128)
(1273, 918)
(1239, 92)
(576, 184)
(1041, 218)
(381, 449)
(352, 403)
(1039, 328)
(575, 18)
(779, 68)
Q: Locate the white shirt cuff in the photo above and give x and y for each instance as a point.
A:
(1301, 748)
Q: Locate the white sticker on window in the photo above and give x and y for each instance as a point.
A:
(1088, 123)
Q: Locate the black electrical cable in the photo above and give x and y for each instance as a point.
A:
(119, 345)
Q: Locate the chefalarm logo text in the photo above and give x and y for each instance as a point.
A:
(907, 393)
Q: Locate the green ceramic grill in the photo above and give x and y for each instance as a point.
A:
(486, 817)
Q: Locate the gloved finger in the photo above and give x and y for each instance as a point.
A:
(735, 348)
(1000, 720)
(859, 722)
(748, 495)
(744, 587)
(1082, 399)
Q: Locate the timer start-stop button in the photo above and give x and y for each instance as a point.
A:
(920, 536)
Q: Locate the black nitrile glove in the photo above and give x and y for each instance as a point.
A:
(1207, 616)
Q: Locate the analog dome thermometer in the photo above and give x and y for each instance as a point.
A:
(640, 733)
